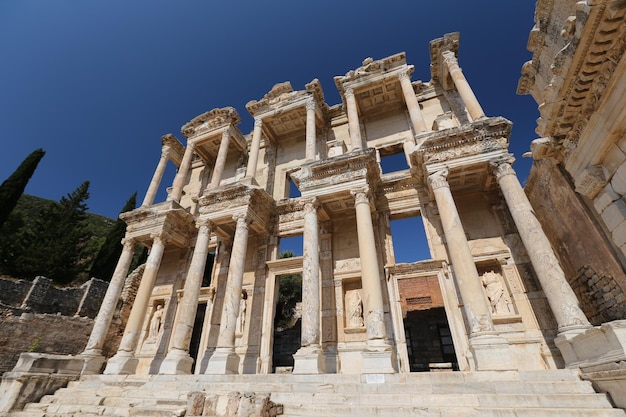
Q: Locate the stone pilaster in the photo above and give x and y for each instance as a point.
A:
(560, 295)
(309, 358)
(93, 351)
(417, 119)
(254, 148)
(156, 179)
(353, 120)
(462, 86)
(181, 175)
(220, 161)
(178, 360)
(225, 360)
(311, 148)
(124, 361)
(378, 356)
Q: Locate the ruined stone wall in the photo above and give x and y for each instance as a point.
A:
(420, 293)
(587, 259)
(43, 333)
(41, 296)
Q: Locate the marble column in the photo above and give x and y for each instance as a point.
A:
(311, 145)
(309, 358)
(93, 351)
(561, 297)
(353, 120)
(489, 351)
(225, 360)
(462, 86)
(378, 356)
(178, 360)
(220, 161)
(156, 178)
(253, 158)
(181, 175)
(124, 361)
(417, 119)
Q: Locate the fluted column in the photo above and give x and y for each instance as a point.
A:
(101, 325)
(220, 161)
(309, 357)
(417, 119)
(561, 297)
(181, 175)
(353, 120)
(124, 361)
(462, 86)
(225, 360)
(178, 360)
(254, 148)
(465, 271)
(311, 148)
(156, 178)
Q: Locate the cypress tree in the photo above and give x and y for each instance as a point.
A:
(13, 187)
(110, 251)
(55, 247)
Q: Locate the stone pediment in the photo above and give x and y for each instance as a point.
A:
(477, 138)
(211, 120)
(280, 95)
(370, 67)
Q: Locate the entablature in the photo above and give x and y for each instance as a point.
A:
(167, 218)
(174, 148)
(438, 70)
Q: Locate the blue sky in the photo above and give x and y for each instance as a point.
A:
(97, 83)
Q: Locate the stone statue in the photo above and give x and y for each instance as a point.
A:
(500, 303)
(355, 309)
(241, 319)
(155, 324)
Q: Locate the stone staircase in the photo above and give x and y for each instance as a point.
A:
(443, 394)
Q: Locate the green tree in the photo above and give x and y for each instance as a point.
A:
(55, 247)
(290, 293)
(106, 260)
(13, 187)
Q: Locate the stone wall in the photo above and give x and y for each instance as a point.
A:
(588, 260)
(41, 296)
(420, 293)
(44, 333)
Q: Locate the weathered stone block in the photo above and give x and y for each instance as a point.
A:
(614, 214)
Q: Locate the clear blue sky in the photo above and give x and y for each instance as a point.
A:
(97, 83)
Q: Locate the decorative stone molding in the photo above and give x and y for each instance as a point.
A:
(439, 179)
(211, 120)
(591, 181)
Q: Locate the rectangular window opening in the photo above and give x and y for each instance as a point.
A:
(392, 159)
(290, 246)
(409, 240)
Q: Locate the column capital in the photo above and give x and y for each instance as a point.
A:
(226, 133)
(258, 122)
(439, 179)
(404, 76)
(166, 150)
(361, 195)
(128, 241)
(243, 219)
(191, 145)
(349, 92)
(310, 104)
(161, 237)
(204, 225)
(311, 205)
(449, 57)
(502, 167)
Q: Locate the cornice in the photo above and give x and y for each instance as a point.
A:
(211, 120)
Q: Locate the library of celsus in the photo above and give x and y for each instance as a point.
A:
(474, 304)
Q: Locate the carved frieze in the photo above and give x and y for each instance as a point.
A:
(211, 120)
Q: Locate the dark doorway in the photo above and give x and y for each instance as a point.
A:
(429, 341)
(287, 322)
(196, 334)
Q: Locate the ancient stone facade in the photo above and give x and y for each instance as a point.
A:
(577, 184)
(480, 291)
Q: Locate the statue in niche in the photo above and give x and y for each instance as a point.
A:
(354, 306)
(498, 298)
(241, 319)
(155, 324)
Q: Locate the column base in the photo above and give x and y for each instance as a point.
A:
(176, 362)
(93, 362)
(308, 360)
(223, 362)
(490, 353)
(593, 347)
(378, 358)
(123, 363)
